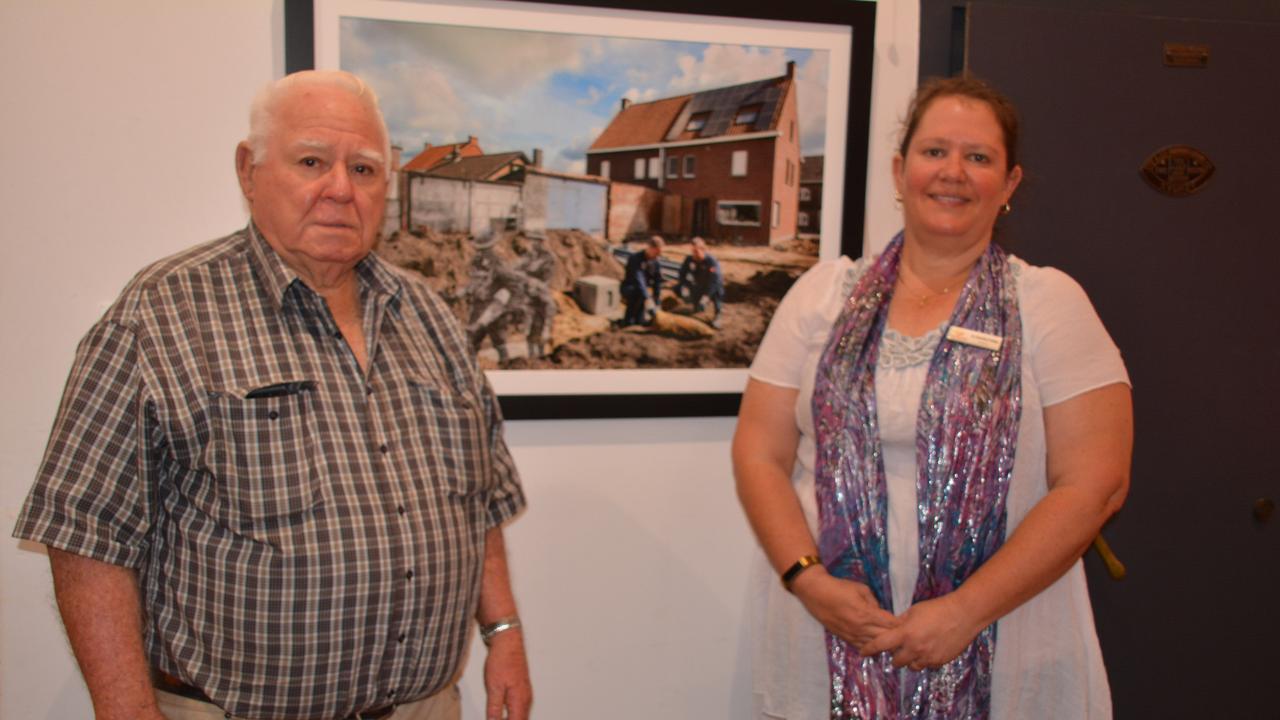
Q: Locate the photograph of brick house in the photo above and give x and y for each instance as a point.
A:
(726, 160)
(541, 163)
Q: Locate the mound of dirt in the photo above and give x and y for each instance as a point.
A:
(443, 259)
(755, 281)
(577, 255)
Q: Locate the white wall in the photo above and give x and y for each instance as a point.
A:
(119, 123)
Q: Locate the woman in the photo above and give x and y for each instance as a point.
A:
(928, 442)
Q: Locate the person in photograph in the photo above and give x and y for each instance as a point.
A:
(700, 275)
(642, 283)
(929, 440)
(277, 483)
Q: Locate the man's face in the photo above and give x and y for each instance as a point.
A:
(699, 252)
(319, 193)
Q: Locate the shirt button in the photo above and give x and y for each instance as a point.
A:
(408, 575)
(401, 638)
(337, 334)
(400, 509)
(273, 415)
(383, 448)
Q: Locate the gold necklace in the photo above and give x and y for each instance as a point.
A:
(922, 300)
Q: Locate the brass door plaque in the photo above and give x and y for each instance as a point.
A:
(1177, 170)
(1185, 55)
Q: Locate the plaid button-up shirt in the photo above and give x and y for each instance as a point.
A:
(308, 537)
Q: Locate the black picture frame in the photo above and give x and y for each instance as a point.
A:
(857, 15)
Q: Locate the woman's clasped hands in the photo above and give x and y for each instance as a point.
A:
(929, 634)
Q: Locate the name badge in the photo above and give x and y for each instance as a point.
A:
(975, 338)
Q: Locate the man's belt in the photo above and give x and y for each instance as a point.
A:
(170, 684)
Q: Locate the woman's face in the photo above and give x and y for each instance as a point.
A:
(953, 178)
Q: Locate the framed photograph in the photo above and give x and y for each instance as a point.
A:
(613, 196)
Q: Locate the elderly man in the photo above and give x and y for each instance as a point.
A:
(642, 283)
(276, 484)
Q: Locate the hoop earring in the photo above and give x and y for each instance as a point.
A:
(1005, 209)
(897, 199)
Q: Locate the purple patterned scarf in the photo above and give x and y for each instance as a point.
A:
(965, 437)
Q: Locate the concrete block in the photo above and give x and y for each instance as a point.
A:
(598, 295)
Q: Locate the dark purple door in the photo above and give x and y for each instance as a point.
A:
(1190, 289)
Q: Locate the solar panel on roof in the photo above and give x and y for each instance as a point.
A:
(722, 105)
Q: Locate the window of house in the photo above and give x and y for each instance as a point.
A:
(738, 213)
(697, 121)
(639, 175)
(776, 217)
(805, 195)
(803, 219)
(690, 164)
(747, 114)
(604, 168)
(655, 167)
(673, 166)
(739, 164)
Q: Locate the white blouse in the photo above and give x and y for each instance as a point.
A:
(1047, 662)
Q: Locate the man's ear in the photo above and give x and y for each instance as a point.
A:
(244, 169)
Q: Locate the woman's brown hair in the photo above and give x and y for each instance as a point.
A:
(966, 86)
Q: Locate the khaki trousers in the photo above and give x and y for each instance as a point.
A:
(444, 705)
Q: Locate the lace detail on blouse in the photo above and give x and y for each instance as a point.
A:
(899, 351)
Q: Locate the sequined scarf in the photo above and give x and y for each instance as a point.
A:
(965, 436)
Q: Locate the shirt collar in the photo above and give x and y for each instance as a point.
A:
(277, 276)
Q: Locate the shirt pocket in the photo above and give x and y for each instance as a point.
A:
(454, 430)
(265, 456)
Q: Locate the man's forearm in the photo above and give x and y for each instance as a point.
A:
(496, 598)
(508, 691)
(102, 613)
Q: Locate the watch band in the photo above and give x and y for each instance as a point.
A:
(497, 627)
(800, 566)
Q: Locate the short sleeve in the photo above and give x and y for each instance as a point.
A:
(506, 499)
(1069, 348)
(90, 497)
(802, 319)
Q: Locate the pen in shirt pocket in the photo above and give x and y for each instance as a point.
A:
(280, 389)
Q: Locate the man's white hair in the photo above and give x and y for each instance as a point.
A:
(262, 112)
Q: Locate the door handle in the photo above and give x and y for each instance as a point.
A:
(1115, 568)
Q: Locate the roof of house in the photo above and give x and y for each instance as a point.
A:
(667, 120)
(811, 169)
(433, 155)
(477, 167)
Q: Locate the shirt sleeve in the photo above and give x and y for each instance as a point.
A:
(90, 496)
(506, 496)
(802, 319)
(1070, 350)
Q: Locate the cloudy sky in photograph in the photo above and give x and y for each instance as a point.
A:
(519, 90)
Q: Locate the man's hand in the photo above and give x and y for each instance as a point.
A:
(932, 633)
(846, 608)
(506, 678)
